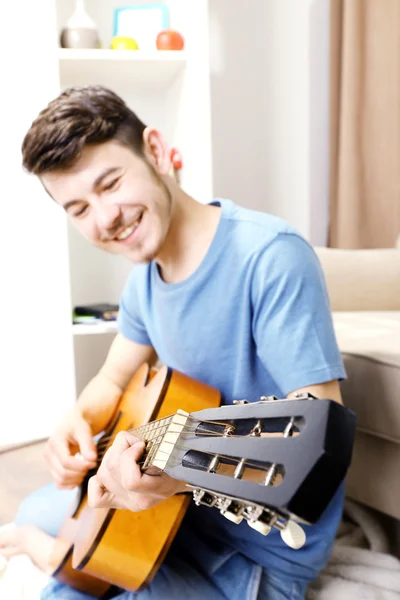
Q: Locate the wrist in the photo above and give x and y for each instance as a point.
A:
(182, 488)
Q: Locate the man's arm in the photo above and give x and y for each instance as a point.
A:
(292, 321)
(99, 398)
(329, 391)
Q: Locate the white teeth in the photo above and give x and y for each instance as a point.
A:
(127, 232)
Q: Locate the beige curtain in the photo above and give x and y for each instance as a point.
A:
(365, 123)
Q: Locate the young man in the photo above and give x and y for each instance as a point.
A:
(226, 295)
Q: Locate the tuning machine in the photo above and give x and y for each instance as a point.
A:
(304, 396)
(258, 517)
(203, 497)
(293, 535)
(231, 510)
(255, 521)
(268, 398)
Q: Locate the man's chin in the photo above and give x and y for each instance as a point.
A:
(132, 255)
(139, 257)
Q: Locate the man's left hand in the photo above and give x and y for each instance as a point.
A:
(120, 483)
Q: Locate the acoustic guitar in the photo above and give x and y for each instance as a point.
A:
(273, 463)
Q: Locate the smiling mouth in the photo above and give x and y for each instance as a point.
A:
(128, 230)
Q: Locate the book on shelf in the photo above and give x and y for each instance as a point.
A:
(95, 313)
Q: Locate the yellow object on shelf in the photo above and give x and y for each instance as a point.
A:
(121, 42)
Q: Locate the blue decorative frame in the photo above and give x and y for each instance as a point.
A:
(161, 6)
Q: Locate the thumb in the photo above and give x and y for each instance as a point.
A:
(84, 438)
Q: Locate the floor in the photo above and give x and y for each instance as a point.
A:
(21, 471)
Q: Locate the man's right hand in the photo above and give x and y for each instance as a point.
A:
(72, 436)
(97, 402)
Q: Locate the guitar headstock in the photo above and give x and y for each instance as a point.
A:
(267, 461)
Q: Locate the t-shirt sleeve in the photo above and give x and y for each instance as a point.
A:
(292, 321)
(130, 315)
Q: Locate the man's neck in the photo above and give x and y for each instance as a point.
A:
(192, 230)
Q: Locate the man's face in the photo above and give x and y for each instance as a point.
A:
(115, 199)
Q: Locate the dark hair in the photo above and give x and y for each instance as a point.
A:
(79, 116)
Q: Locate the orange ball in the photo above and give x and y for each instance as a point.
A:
(170, 40)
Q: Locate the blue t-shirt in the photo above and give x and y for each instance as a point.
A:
(253, 320)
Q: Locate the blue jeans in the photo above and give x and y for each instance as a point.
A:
(198, 566)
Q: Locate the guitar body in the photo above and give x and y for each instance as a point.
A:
(101, 547)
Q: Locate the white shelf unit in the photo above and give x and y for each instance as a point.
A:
(48, 268)
(94, 328)
(155, 69)
(169, 90)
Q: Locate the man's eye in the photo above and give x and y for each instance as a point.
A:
(81, 211)
(111, 185)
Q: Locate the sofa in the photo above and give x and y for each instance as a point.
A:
(364, 291)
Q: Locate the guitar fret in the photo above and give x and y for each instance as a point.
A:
(158, 433)
(149, 429)
(152, 452)
(175, 425)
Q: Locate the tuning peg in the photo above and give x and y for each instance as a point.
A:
(260, 526)
(304, 396)
(293, 535)
(232, 511)
(232, 517)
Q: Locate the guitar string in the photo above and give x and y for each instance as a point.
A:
(148, 427)
(103, 445)
(222, 456)
(104, 441)
(161, 423)
(257, 466)
(209, 432)
(159, 438)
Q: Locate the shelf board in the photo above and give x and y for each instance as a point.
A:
(103, 67)
(94, 328)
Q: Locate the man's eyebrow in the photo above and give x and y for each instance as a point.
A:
(95, 185)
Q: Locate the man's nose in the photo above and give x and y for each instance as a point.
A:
(108, 217)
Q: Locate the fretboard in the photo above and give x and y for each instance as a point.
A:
(160, 437)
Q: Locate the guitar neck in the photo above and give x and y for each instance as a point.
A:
(160, 437)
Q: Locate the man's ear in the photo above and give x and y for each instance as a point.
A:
(156, 150)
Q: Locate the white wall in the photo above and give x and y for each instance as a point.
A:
(36, 356)
(238, 90)
(270, 108)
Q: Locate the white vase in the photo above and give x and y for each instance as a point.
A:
(80, 30)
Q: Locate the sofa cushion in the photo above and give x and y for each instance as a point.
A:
(370, 345)
(362, 279)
